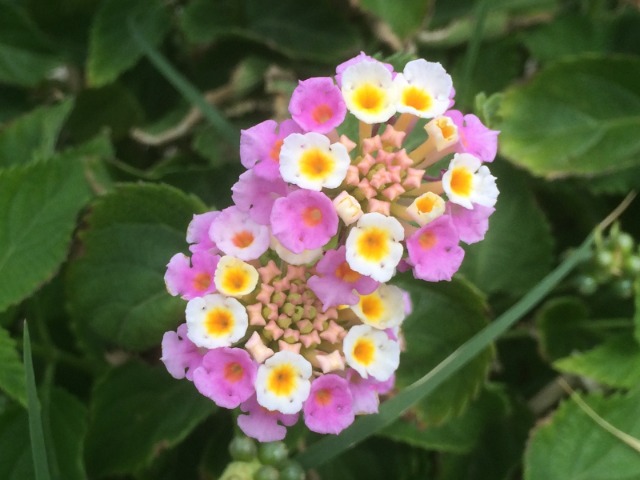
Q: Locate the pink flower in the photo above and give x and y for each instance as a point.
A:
(226, 376)
(472, 225)
(304, 220)
(198, 233)
(329, 408)
(336, 281)
(190, 281)
(475, 138)
(260, 146)
(434, 251)
(256, 195)
(365, 391)
(262, 424)
(357, 59)
(179, 354)
(317, 105)
(238, 235)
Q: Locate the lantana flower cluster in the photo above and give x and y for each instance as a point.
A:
(289, 311)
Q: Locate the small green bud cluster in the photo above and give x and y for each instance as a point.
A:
(265, 461)
(615, 261)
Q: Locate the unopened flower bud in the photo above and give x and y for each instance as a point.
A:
(348, 208)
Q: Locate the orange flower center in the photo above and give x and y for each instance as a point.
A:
(344, 272)
(233, 372)
(428, 240)
(417, 98)
(243, 239)
(322, 113)
(274, 154)
(461, 181)
(364, 351)
(219, 322)
(312, 216)
(323, 397)
(201, 281)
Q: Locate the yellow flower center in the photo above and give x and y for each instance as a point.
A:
(282, 380)
(369, 97)
(372, 307)
(311, 216)
(447, 128)
(234, 280)
(364, 351)
(373, 244)
(316, 164)
(417, 98)
(426, 203)
(233, 372)
(461, 181)
(219, 322)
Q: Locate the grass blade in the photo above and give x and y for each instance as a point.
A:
(36, 433)
(188, 91)
(390, 410)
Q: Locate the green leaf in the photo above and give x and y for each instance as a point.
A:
(116, 289)
(16, 462)
(444, 316)
(12, 379)
(301, 30)
(111, 48)
(571, 446)
(136, 412)
(500, 263)
(457, 435)
(33, 136)
(68, 424)
(576, 117)
(41, 202)
(500, 442)
(25, 54)
(113, 107)
(404, 18)
(563, 327)
(615, 363)
(564, 36)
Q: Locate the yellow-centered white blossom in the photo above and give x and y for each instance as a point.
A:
(424, 89)
(426, 208)
(234, 277)
(282, 382)
(381, 309)
(215, 321)
(467, 181)
(369, 91)
(371, 352)
(311, 161)
(373, 246)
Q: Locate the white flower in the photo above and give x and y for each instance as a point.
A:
(282, 382)
(311, 161)
(423, 88)
(347, 207)
(369, 91)
(467, 181)
(373, 246)
(371, 352)
(382, 309)
(426, 208)
(215, 321)
(234, 277)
